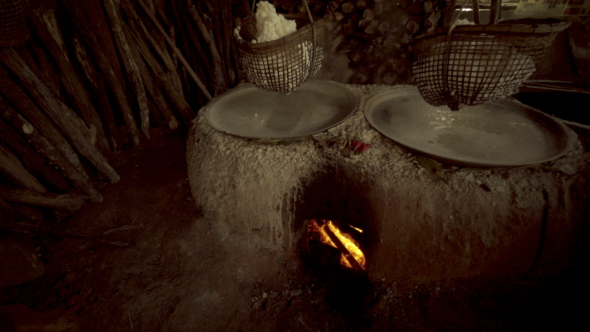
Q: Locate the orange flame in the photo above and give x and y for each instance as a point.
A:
(349, 243)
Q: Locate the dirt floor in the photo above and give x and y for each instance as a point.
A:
(177, 275)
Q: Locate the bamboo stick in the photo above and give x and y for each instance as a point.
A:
(101, 45)
(217, 62)
(129, 64)
(46, 27)
(21, 101)
(154, 92)
(11, 165)
(70, 202)
(33, 161)
(96, 81)
(70, 124)
(78, 176)
(180, 56)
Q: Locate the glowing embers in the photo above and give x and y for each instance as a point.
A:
(326, 232)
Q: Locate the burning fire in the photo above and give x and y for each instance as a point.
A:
(352, 255)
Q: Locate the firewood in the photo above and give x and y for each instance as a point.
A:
(361, 4)
(217, 36)
(348, 7)
(427, 5)
(378, 8)
(348, 28)
(129, 64)
(164, 80)
(191, 45)
(28, 228)
(227, 34)
(372, 27)
(220, 85)
(332, 7)
(96, 81)
(412, 26)
(154, 91)
(46, 27)
(49, 74)
(7, 212)
(103, 50)
(22, 101)
(180, 56)
(52, 153)
(339, 16)
(355, 265)
(33, 161)
(71, 202)
(70, 124)
(368, 15)
(11, 166)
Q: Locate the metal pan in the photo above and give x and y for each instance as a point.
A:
(246, 111)
(500, 133)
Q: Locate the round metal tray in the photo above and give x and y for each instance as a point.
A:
(246, 111)
(499, 133)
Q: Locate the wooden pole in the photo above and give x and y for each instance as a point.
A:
(129, 64)
(48, 150)
(180, 56)
(101, 45)
(156, 94)
(97, 82)
(217, 62)
(70, 202)
(33, 161)
(46, 27)
(11, 165)
(70, 124)
(22, 102)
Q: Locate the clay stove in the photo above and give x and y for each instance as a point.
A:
(416, 227)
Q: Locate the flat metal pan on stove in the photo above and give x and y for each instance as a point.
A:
(253, 113)
(499, 133)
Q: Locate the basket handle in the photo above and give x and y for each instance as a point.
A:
(313, 29)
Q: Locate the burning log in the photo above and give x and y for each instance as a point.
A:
(329, 234)
(46, 27)
(80, 136)
(49, 151)
(129, 65)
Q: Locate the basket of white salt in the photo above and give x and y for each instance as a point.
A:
(472, 64)
(275, 55)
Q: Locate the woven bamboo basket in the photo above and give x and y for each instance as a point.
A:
(281, 65)
(477, 63)
(13, 24)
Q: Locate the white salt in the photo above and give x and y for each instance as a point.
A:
(270, 25)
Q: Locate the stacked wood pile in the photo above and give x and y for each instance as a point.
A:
(94, 78)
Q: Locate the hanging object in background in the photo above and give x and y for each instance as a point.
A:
(13, 23)
(472, 64)
(280, 65)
